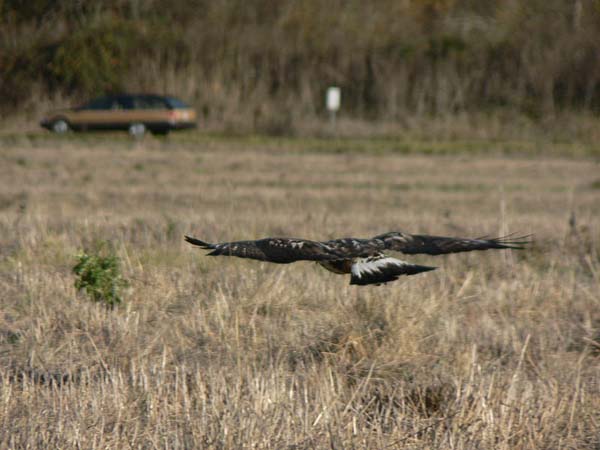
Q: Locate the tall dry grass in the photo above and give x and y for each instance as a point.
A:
(493, 350)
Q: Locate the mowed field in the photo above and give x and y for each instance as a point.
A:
(494, 350)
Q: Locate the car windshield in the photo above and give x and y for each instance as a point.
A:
(175, 103)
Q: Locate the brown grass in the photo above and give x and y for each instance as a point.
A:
(493, 350)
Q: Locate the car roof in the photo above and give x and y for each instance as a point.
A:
(170, 101)
(124, 95)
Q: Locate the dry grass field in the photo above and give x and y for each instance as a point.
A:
(494, 350)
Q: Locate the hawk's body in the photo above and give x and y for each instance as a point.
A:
(363, 259)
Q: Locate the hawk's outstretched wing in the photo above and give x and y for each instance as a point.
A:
(275, 250)
(439, 245)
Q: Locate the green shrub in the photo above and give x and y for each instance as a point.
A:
(99, 274)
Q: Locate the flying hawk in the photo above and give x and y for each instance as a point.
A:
(364, 259)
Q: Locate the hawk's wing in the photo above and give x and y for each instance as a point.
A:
(439, 245)
(380, 268)
(275, 250)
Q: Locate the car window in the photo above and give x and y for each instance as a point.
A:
(99, 103)
(115, 105)
(149, 103)
(175, 103)
(125, 102)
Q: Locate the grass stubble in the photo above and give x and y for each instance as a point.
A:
(493, 350)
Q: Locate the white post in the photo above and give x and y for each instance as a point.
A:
(333, 101)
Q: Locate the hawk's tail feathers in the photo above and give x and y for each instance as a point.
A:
(199, 243)
(382, 270)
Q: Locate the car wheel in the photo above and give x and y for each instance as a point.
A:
(60, 126)
(137, 130)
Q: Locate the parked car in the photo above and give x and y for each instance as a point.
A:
(135, 113)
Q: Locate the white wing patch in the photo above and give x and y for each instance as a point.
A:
(284, 243)
(380, 269)
(373, 265)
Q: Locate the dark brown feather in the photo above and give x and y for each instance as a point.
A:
(439, 245)
(275, 250)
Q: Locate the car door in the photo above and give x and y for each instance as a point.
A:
(122, 113)
(93, 114)
(150, 110)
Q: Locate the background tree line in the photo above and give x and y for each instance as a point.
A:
(255, 60)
